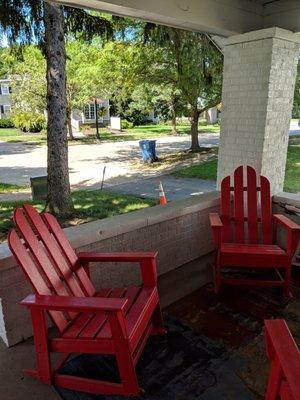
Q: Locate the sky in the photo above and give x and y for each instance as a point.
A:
(3, 41)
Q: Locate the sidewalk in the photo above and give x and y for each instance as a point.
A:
(175, 188)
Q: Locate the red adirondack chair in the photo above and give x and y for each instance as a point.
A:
(284, 377)
(114, 321)
(245, 232)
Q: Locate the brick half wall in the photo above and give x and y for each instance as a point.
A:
(179, 231)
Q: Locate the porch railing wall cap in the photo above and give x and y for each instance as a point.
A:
(95, 231)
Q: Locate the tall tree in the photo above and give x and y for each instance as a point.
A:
(188, 61)
(59, 193)
(27, 21)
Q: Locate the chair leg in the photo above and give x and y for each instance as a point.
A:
(287, 282)
(123, 355)
(127, 372)
(44, 372)
(158, 322)
(217, 275)
(273, 386)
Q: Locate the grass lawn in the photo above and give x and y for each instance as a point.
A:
(9, 187)
(208, 169)
(16, 136)
(136, 133)
(89, 206)
(149, 131)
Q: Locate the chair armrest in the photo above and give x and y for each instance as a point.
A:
(282, 347)
(72, 303)
(217, 226)
(286, 222)
(293, 232)
(115, 257)
(147, 261)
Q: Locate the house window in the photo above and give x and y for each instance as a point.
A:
(4, 89)
(89, 111)
(6, 109)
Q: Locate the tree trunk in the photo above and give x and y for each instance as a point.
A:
(194, 130)
(59, 199)
(69, 119)
(173, 118)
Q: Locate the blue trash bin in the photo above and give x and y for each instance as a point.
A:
(148, 150)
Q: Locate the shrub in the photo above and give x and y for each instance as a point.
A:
(29, 122)
(6, 123)
(126, 124)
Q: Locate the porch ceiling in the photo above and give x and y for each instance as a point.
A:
(218, 17)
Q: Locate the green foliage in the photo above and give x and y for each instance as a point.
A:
(88, 205)
(14, 135)
(102, 111)
(204, 170)
(292, 172)
(29, 122)
(6, 123)
(126, 124)
(9, 187)
(296, 108)
(28, 81)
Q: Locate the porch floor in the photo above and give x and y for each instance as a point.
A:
(234, 319)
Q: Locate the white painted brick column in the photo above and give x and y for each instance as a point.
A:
(258, 87)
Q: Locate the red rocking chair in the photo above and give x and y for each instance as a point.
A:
(284, 377)
(245, 232)
(111, 321)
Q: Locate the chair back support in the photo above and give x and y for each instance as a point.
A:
(47, 259)
(246, 208)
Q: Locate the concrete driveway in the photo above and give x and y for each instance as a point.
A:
(19, 161)
(175, 188)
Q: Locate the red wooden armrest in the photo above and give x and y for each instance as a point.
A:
(293, 232)
(216, 225)
(115, 257)
(282, 347)
(147, 261)
(215, 220)
(286, 222)
(72, 303)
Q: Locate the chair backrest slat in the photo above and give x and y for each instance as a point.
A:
(54, 251)
(252, 205)
(226, 208)
(42, 258)
(70, 254)
(246, 210)
(239, 205)
(266, 210)
(35, 276)
(48, 260)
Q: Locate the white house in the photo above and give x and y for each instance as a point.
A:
(5, 100)
(79, 117)
(88, 115)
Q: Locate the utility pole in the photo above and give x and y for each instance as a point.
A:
(97, 121)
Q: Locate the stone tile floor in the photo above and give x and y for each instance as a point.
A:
(235, 318)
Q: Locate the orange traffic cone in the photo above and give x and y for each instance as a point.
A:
(162, 196)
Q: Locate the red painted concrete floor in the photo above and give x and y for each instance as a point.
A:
(235, 317)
